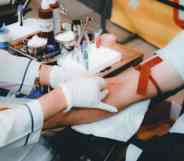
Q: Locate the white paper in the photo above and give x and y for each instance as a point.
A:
(175, 60)
(133, 153)
(99, 58)
(178, 126)
(119, 127)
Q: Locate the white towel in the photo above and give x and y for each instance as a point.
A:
(133, 153)
(119, 127)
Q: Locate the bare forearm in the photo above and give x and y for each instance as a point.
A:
(123, 88)
(76, 117)
(53, 103)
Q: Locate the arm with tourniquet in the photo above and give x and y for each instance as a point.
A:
(158, 74)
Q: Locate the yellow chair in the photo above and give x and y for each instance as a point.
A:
(153, 21)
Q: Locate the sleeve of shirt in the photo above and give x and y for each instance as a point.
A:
(18, 74)
(22, 125)
(173, 53)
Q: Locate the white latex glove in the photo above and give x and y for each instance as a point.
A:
(87, 93)
(69, 70)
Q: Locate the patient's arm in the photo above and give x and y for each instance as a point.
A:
(123, 92)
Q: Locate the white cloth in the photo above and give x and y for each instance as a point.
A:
(24, 117)
(133, 153)
(173, 53)
(16, 150)
(178, 126)
(37, 148)
(16, 129)
(98, 58)
(119, 127)
(13, 69)
(16, 124)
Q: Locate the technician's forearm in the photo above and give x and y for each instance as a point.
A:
(76, 117)
(53, 103)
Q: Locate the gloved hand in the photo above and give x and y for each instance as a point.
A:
(68, 71)
(86, 93)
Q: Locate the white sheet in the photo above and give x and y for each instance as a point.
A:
(178, 126)
(120, 127)
(133, 153)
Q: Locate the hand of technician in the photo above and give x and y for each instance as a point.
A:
(70, 70)
(86, 93)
